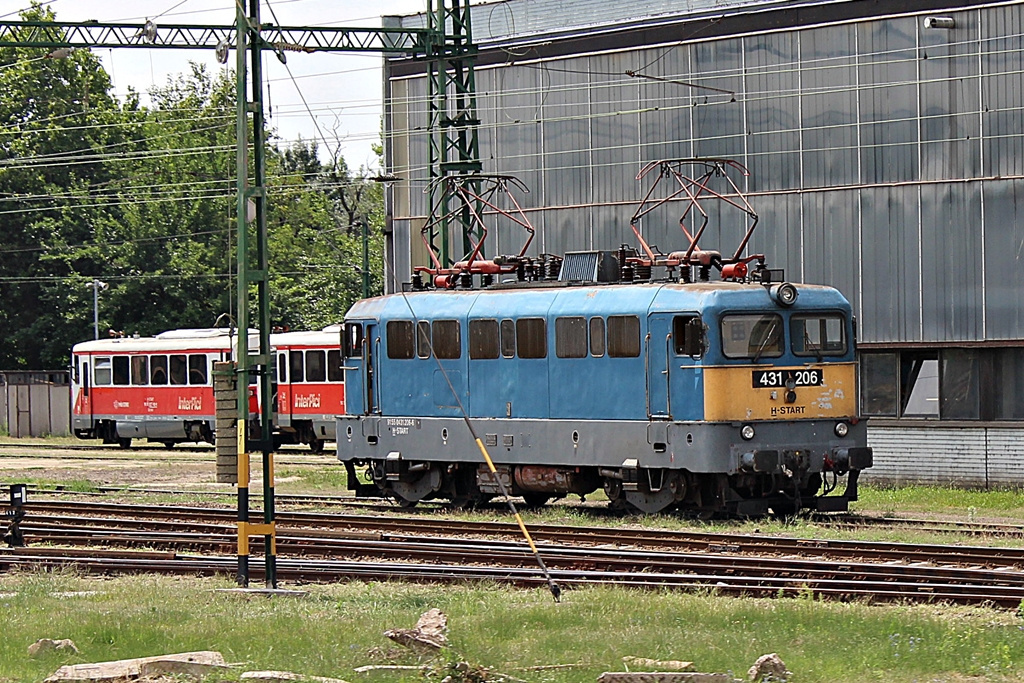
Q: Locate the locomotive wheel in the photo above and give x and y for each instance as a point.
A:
(616, 498)
(404, 503)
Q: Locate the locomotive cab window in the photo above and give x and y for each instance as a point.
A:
(752, 335)
(818, 335)
(352, 340)
(483, 339)
(688, 335)
(400, 339)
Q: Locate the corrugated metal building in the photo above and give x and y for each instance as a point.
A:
(886, 148)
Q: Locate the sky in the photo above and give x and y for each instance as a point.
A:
(343, 91)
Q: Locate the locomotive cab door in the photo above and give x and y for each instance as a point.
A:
(371, 367)
(673, 346)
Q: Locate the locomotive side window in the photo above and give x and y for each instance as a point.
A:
(423, 339)
(508, 338)
(316, 366)
(179, 369)
(752, 335)
(623, 336)
(121, 375)
(334, 371)
(197, 368)
(400, 339)
(483, 339)
(158, 370)
(532, 338)
(571, 337)
(818, 335)
(296, 366)
(597, 337)
(688, 335)
(447, 339)
(140, 370)
(102, 370)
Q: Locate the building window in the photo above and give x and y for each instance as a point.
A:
(597, 337)
(1008, 394)
(532, 338)
(919, 384)
(959, 385)
(483, 339)
(879, 388)
(447, 339)
(571, 337)
(623, 336)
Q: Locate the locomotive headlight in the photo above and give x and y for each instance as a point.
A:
(842, 429)
(785, 294)
(747, 432)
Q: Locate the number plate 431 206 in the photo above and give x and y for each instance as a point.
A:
(771, 379)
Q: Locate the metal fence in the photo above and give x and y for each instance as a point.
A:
(35, 403)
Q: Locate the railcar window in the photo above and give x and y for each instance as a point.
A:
(140, 370)
(688, 335)
(282, 367)
(597, 337)
(197, 368)
(532, 338)
(400, 341)
(158, 370)
(296, 366)
(179, 369)
(121, 375)
(508, 338)
(102, 370)
(316, 366)
(623, 336)
(447, 339)
(334, 371)
(818, 335)
(571, 337)
(752, 335)
(423, 339)
(483, 339)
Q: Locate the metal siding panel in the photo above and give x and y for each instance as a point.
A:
(950, 127)
(614, 128)
(1004, 249)
(828, 105)
(888, 100)
(927, 455)
(772, 102)
(952, 285)
(831, 247)
(718, 129)
(778, 233)
(1002, 87)
(890, 272)
(665, 108)
(565, 110)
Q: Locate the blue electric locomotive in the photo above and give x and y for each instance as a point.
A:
(734, 395)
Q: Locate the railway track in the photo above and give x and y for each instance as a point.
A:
(323, 547)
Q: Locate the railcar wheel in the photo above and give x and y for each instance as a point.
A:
(404, 503)
(169, 444)
(316, 445)
(124, 442)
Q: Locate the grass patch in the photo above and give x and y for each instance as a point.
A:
(330, 480)
(957, 503)
(339, 627)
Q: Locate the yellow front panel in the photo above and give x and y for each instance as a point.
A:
(730, 394)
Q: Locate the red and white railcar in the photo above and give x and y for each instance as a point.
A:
(158, 388)
(310, 386)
